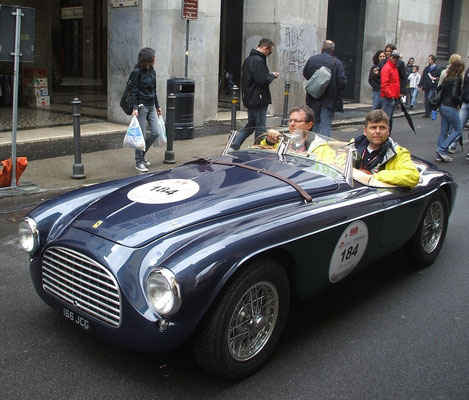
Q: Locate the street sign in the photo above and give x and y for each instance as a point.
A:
(190, 9)
(7, 33)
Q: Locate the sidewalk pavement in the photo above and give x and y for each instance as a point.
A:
(54, 174)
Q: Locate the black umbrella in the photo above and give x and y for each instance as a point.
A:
(406, 115)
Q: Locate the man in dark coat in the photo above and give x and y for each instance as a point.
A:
(325, 106)
(255, 81)
(430, 77)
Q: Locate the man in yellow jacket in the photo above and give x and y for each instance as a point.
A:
(379, 155)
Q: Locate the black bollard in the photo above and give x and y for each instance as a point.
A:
(234, 105)
(285, 104)
(170, 108)
(78, 167)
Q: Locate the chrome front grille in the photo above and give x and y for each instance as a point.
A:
(83, 283)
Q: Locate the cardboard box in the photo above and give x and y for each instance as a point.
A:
(35, 82)
(40, 73)
(39, 101)
(36, 91)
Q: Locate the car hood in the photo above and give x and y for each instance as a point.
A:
(163, 202)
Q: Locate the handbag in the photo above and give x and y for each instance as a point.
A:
(434, 97)
(134, 136)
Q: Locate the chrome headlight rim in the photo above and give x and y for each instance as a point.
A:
(34, 233)
(174, 288)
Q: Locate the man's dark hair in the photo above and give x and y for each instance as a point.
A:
(416, 66)
(145, 58)
(391, 46)
(308, 111)
(265, 42)
(328, 45)
(376, 116)
(433, 57)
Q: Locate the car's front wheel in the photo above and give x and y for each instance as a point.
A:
(245, 324)
(430, 235)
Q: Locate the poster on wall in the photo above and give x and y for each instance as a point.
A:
(124, 3)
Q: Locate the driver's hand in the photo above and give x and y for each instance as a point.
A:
(273, 136)
(366, 171)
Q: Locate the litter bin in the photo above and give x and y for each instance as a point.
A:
(183, 89)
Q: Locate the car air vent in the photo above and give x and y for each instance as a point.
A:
(77, 280)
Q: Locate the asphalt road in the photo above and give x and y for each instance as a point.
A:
(391, 332)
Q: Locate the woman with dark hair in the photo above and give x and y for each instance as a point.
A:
(450, 101)
(374, 79)
(145, 102)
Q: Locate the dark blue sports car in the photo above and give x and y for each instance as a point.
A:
(215, 249)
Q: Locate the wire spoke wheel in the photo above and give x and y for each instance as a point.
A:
(253, 321)
(432, 227)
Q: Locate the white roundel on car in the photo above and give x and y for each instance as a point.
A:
(348, 251)
(164, 191)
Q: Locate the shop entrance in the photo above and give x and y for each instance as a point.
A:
(231, 45)
(345, 26)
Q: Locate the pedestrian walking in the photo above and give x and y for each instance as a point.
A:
(144, 101)
(430, 77)
(255, 82)
(450, 101)
(390, 85)
(330, 101)
(414, 79)
(375, 81)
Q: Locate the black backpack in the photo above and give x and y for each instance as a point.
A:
(125, 103)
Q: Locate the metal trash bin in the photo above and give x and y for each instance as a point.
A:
(183, 89)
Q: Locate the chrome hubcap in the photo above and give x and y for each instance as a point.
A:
(253, 321)
(432, 227)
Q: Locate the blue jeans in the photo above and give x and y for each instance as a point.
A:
(413, 93)
(147, 113)
(377, 102)
(388, 105)
(323, 117)
(464, 114)
(428, 109)
(257, 118)
(449, 118)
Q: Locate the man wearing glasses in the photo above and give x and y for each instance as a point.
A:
(255, 81)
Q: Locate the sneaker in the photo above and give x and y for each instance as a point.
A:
(467, 156)
(141, 167)
(445, 157)
(438, 158)
(452, 148)
(425, 116)
(146, 162)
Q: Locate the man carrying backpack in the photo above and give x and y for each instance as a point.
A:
(329, 101)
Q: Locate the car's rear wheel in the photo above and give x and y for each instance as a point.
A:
(245, 324)
(431, 232)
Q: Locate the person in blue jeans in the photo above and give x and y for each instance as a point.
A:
(450, 101)
(144, 101)
(255, 81)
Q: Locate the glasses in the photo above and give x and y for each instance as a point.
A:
(296, 121)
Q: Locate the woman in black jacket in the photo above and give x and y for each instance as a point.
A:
(145, 102)
(450, 101)
(375, 81)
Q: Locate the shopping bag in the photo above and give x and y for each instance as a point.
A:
(134, 136)
(5, 170)
(161, 140)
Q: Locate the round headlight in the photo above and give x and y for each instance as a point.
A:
(163, 292)
(28, 235)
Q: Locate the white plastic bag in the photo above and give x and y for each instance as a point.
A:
(161, 140)
(134, 136)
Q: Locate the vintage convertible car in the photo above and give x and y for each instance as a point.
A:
(214, 250)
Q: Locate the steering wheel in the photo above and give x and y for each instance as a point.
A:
(260, 138)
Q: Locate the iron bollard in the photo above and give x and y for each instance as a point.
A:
(234, 105)
(285, 104)
(170, 107)
(78, 167)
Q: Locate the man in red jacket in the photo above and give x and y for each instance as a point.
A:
(390, 85)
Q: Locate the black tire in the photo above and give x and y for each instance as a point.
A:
(428, 240)
(215, 344)
(260, 138)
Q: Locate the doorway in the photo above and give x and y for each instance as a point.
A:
(231, 46)
(345, 26)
